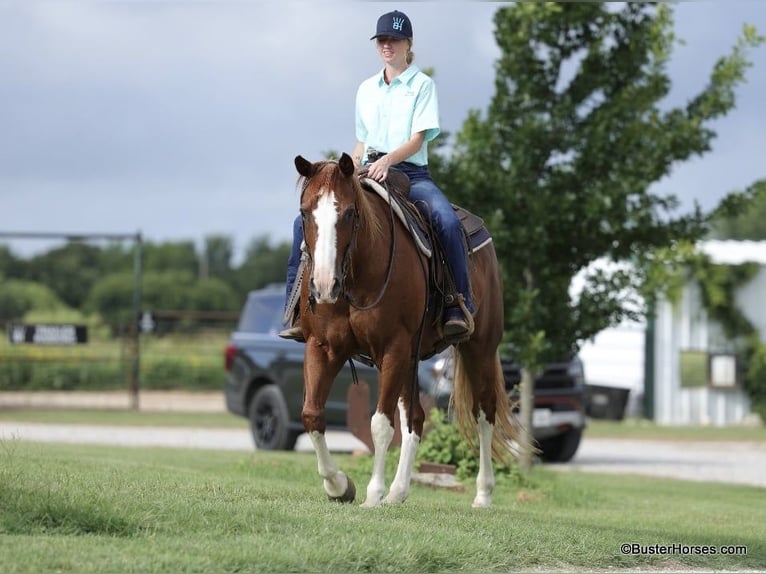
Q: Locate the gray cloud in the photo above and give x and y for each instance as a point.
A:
(181, 119)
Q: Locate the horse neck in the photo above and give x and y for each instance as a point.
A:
(373, 243)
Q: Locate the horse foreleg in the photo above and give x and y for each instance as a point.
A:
(318, 374)
(337, 485)
(485, 480)
(382, 433)
(400, 487)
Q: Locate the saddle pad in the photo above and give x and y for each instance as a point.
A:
(418, 233)
(473, 226)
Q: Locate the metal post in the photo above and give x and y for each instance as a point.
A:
(649, 360)
(527, 406)
(135, 376)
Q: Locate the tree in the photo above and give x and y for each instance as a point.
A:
(744, 219)
(171, 255)
(566, 153)
(70, 271)
(17, 297)
(10, 265)
(264, 263)
(217, 256)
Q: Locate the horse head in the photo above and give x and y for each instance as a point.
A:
(330, 222)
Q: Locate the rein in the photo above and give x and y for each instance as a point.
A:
(389, 270)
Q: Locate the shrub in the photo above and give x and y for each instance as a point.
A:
(442, 443)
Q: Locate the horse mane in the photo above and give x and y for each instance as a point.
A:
(369, 218)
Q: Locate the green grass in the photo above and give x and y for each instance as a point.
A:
(124, 418)
(645, 429)
(106, 509)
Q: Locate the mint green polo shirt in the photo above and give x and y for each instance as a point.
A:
(387, 115)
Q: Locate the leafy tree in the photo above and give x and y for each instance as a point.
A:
(744, 220)
(10, 265)
(17, 297)
(566, 152)
(214, 295)
(171, 255)
(263, 264)
(112, 297)
(116, 257)
(69, 271)
(217, 256)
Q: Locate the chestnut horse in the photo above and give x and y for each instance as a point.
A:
(365, 291)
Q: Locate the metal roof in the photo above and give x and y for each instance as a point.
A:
(731, 252)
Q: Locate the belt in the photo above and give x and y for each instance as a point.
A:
(374, 155)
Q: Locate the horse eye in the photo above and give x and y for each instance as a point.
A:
(348, 215)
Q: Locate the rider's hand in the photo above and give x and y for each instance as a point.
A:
(378, 170)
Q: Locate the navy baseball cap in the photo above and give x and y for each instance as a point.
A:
(394, 24)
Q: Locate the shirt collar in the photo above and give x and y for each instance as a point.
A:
(403, 78)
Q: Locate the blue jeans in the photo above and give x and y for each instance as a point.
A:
(294, 260)
(434, 205)
(445, 223)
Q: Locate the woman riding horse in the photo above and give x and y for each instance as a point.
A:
(397, 114)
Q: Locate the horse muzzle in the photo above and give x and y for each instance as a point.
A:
(325, 291)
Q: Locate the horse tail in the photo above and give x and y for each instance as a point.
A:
(507, 436)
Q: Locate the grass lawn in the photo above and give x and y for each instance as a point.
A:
(106, 509)
(645, 429)
(124, 418)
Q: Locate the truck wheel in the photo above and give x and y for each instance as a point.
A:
(561, 448)
(269, 420)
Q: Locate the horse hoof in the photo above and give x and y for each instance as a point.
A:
(348, 496)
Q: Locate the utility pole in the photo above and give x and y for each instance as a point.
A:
(135, 331)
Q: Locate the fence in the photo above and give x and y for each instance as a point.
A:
(179, 350)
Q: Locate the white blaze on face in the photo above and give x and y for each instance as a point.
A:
(325, 216)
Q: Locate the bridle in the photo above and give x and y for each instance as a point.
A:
(348, 253)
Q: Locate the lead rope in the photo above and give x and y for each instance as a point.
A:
(353, 371)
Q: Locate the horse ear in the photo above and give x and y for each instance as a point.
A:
(346, 164)
(304, 166)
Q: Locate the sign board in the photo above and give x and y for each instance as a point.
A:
(146, 322)
(50, 334)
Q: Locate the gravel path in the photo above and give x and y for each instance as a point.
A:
(727, 462)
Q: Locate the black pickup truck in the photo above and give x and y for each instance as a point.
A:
(264, 383)
(264, 376)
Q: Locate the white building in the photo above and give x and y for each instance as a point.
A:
(691, 369)
(679, 366)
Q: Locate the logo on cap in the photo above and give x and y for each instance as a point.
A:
(398, 23)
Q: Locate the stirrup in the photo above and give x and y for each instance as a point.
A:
(294, 333)
(460, 327)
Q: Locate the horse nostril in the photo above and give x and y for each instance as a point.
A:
(335, 288)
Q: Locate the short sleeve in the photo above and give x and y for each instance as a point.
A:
(426, 114)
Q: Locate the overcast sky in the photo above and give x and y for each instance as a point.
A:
(181, 119)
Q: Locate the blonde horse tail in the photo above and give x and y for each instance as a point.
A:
(507, 435)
